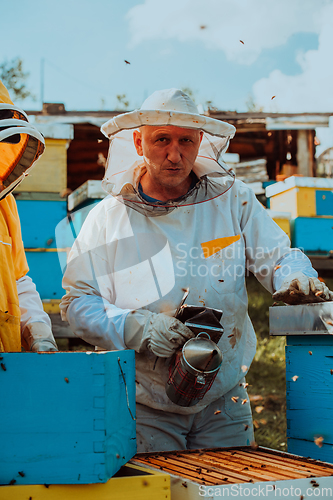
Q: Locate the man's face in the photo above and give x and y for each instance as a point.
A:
(169, 154)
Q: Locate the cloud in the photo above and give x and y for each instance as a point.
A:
(311, 90)
(221, 24)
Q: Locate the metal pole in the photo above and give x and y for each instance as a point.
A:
(42, 63)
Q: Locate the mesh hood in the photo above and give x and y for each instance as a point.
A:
(125, 167)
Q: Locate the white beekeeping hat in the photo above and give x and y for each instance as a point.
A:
(162, 108)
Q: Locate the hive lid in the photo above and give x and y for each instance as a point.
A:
(306, 319)
(295, 181)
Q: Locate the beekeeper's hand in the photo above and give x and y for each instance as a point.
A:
(158, 333)
(298, 288)
(39, 338)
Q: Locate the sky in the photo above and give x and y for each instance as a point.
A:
(228, 52)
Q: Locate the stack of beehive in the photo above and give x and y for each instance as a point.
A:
(42, 205)
(309, 200)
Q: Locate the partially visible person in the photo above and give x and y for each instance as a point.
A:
(177, 219)
(23, 322)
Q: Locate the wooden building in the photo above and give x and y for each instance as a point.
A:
(285, 141)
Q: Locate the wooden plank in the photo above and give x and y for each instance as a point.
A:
(324, 202)
(313, 234)
(51, 306)
(311, 450)
(219, 469)
(310, 340)
(90, 190)
(232, 466)
(294, 467)
(132, 482)
(313, 367)
(38, 196)
(39, 220)
(49, 173)
(172, 469)
(302, 424)
(315, 468)
(270, 471)
(46, 273)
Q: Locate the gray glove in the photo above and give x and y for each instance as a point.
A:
(39, 337)
(158, 333)
(298, 288)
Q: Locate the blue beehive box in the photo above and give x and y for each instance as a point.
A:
(38, 221)
(46, 273)
(309, 380)
(314, 235)
(309, 376)
(66, 417)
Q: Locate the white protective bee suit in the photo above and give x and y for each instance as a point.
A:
(133, 258)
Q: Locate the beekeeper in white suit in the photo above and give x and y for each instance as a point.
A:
(176, 218)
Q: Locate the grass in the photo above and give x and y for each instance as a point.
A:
(266, 377)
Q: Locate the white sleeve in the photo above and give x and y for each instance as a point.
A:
(97, 322)
(88, 305)
(268, 253)
(31, 306)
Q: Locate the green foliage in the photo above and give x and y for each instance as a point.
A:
(267, 374)
(14, 78)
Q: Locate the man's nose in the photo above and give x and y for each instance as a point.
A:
(174, 153)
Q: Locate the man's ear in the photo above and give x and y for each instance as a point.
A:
(201, 135)
(137, 138)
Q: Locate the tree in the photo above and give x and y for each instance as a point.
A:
(122, 104)
(14, 78)
(189, 92)
(252, 106)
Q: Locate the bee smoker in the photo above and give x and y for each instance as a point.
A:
(192, 370)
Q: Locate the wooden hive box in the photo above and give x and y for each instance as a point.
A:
(282, 219)
(309, 376)
(89, 192)
(240, 473)
(50, 171)
(131, 482)
(313, 235)
(40, 213)
(66, 417)
(302, 196)
(46, 272)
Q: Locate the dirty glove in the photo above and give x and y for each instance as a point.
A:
(39, 338)
(158, 333)
(298, 288)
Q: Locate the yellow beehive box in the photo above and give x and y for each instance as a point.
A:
(49, 175)
(282, 219)
(302, 196)
(51, 306)
(132, 482)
